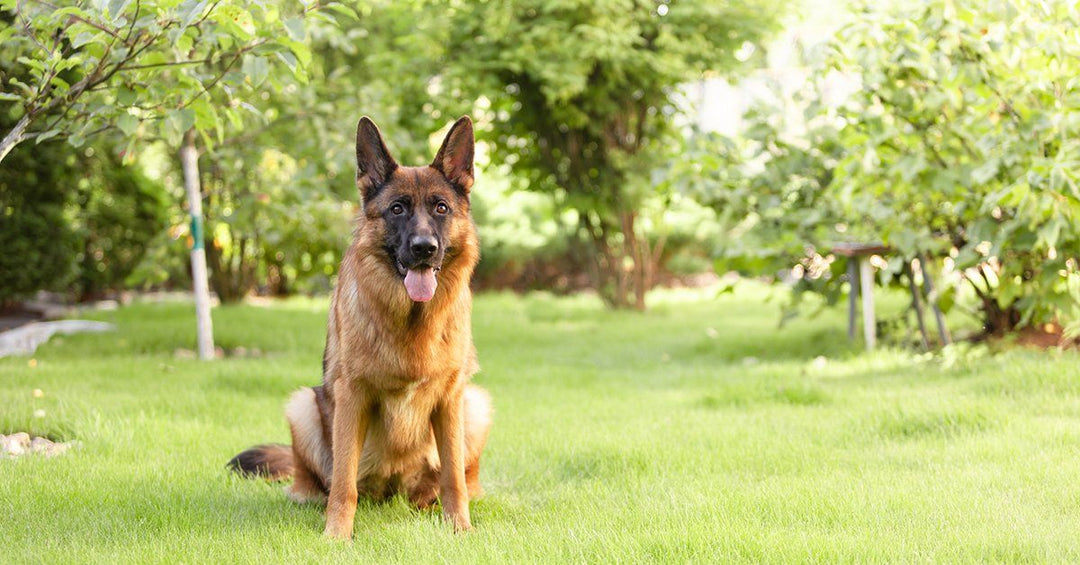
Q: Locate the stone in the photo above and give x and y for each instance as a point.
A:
(12, 447)
(16, 444)
(184, 354)
(55, 449)
(22, 438)
(19, 444)
(40, 444)
(107, 305)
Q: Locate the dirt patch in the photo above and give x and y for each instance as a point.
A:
(1045, 337)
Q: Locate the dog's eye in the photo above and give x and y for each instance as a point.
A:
(397, 209)
(442, 208)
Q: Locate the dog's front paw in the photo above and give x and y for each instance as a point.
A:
(459, 520)
(339, 532)
(339, 524)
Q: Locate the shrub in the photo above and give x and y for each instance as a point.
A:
(39, 249)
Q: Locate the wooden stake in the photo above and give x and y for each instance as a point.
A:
(189, 161)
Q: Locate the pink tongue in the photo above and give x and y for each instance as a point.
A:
(420, 284)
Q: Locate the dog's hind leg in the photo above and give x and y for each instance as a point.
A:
(477, 425)
(311, 456)
(305, 487)
(424, 490)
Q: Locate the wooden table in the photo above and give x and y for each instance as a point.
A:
(861, 276)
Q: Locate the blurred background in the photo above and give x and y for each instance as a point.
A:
(681, 205)
(624, 145)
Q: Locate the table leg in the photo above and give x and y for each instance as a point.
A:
(853, 296)
(866, 278)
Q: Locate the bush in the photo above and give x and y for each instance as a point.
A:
(118, 211)
(74, 221)
(39, 250)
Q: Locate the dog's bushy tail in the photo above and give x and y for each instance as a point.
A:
(272, 461)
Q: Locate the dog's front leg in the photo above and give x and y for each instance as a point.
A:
(448, 422)
(351, 414)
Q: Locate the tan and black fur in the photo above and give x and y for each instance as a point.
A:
(395, 412)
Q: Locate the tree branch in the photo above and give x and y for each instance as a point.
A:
(131, 28)
(218, 78)
(170, 64)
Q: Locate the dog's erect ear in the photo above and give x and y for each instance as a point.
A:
(373, 162)
(455, 158)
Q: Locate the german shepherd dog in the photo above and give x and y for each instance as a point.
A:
(395, 412)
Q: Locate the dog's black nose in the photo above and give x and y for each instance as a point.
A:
(423, 246)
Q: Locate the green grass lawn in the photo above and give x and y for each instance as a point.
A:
(696, 432)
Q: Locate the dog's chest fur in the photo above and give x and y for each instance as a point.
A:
(407, 356)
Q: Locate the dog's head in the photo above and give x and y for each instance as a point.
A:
(423, 211)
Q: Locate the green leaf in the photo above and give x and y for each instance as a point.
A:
(301, 50)
(117, 7)
(25, 88)
(236, 21)
(190, 11)
(255, 68)
(47, 135)
(295, 28)
(289, 59)
(179, 121)
(343, 10)
(206, 117)
(128, 124)
(986, 171)
(126, 96)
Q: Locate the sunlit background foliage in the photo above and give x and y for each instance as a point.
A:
(945, 129)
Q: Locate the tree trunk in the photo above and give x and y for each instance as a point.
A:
(610, 276)
(635, 249)
(189, 161)
(14, 137)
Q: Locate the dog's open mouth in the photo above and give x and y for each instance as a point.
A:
(420, 281)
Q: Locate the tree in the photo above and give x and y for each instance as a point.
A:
(960, 145)
(279, 189)
(582, 98)
(967, 148)
(125, 64)
(771, 190)
(122, 63)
